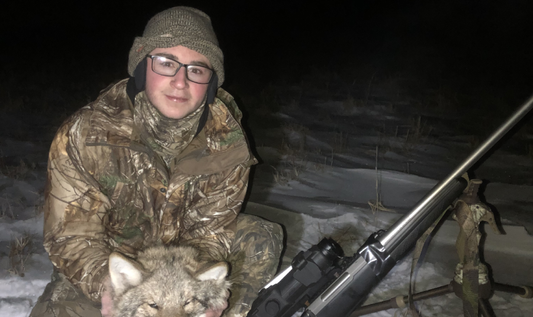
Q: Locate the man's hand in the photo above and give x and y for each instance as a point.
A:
(107, 299)
(215, 312)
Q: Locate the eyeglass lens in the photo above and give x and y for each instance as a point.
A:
(169, 67)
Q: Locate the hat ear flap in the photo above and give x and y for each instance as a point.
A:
(212, 89)
(137, 83)
(140, 75)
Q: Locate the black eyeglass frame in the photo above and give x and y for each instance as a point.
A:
(178, 69)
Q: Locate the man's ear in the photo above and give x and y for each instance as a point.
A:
(218, 272)
(124, 273)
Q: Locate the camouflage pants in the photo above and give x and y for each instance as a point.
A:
(254, 260)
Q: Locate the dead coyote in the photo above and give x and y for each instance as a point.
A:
(166, 281)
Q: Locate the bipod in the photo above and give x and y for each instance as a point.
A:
(471, 283)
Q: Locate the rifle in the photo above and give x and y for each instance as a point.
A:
(326, 284)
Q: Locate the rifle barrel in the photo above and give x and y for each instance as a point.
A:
(398, 231)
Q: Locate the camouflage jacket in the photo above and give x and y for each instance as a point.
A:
(107, 191)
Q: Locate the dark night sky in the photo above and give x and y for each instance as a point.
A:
(489, 41)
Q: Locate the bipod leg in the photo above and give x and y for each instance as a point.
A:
(402, 301)
(522, 291)
(485, 308)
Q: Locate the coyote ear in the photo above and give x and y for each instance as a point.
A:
(218, 271)
(124, 272)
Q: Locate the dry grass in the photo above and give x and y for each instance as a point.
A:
(19, 251)
(340, 142)
(319, 167)
(417, 132)
(376, 205)
(294, 141)
(6, 207)
(473, 142)
(289, 170)
(350, 104)
(16, 171)
(293, 148)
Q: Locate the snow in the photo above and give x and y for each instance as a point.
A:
(317, 181)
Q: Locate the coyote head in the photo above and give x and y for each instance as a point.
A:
(166, 282)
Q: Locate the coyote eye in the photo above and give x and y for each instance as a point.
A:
(203, 303)
(153, 305)
(187, 302)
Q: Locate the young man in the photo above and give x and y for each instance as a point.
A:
(159, 158)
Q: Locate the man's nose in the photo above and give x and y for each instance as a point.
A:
(180, 79)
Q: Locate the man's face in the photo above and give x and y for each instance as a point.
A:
(176, 97)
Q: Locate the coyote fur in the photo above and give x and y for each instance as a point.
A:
(166, 281)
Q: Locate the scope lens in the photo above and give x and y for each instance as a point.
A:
(330, 248)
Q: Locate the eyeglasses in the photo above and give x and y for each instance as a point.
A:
(165, 66)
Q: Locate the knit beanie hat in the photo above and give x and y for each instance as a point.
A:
(183, 26)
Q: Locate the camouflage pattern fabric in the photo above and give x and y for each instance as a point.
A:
(62, 299)
(108, 190)
(254, 258)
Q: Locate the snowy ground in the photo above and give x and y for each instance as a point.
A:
(316, 177)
